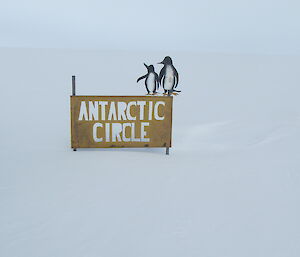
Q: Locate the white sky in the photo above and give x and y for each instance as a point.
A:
(247, 26)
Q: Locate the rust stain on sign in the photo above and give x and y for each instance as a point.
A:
(121, 121)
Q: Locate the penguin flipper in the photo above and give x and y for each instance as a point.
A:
(161, 74)
(156, 81)
(176, 76)
(143, 77)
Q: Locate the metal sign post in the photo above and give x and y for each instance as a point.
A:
(73, 93)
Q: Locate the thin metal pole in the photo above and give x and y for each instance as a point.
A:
(73, 93)
(73, 86)
(167, 150)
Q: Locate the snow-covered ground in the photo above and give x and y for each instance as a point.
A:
(229, 188)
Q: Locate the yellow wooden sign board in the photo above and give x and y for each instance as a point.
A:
(121, 121)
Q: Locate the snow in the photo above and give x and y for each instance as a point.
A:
(230, 186)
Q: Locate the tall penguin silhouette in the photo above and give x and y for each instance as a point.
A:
(168, 76)
(151, 81)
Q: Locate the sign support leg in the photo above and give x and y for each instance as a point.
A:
(167, 150)
(73, 93)
(73, 86)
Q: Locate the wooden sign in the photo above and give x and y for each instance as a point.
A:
(121, 121)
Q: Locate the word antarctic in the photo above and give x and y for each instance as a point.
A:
(120, 111)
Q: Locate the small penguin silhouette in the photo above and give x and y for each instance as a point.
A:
(168, 76)
(151, 81)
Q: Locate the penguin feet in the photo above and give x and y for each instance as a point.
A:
(175, 93)
(165, 93)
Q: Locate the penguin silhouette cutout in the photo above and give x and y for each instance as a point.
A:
(168, 77)
(151, 80)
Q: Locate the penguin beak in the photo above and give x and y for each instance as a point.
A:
(160, 63)
(145, 65)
